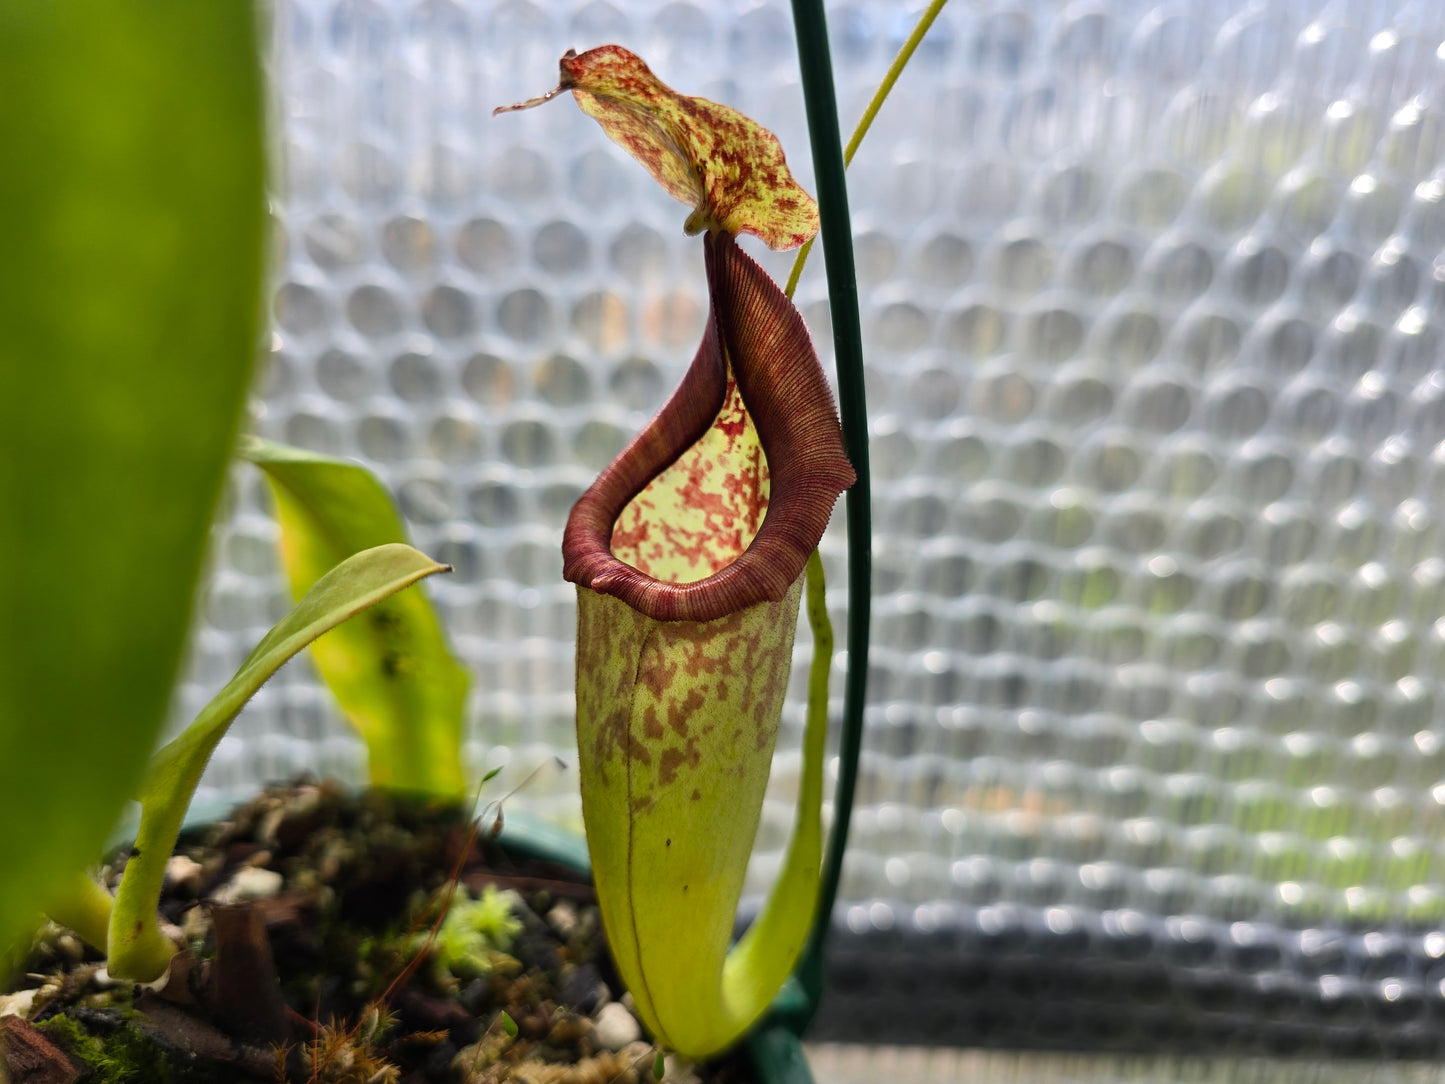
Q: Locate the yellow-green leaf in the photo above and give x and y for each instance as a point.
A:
(131, 222)
(730, 170)
(137, 948)
(392, 671)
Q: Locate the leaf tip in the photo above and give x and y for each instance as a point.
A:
(566, 81)
(530, 103)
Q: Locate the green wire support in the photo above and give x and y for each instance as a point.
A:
(774, 1044)
(816, 67)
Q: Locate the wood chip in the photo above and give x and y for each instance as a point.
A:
(246, 989)
(30, 1058)
(176, 1028)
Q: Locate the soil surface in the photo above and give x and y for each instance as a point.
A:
(355, 939)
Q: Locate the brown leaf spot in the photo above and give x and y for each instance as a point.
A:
(678, 714)
(640, 804)
(672, 759)
(637, 751)
(658, 678)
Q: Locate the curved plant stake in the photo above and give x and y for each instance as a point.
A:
(136, 947)
(831, 161)
(689, 553)
(392, 671)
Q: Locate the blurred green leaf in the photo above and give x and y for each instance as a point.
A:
(137, 948)
(393, 672)
(131, 213)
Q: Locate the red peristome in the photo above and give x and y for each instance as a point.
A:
(753, 325)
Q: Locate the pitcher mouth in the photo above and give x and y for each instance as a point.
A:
(755, 335)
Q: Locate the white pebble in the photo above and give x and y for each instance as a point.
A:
(616, 1027)
(17, 1004)
(249, 883)
(563, 918)
(183, 873)
(71, 947)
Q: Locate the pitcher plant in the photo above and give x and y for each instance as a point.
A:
(688, 553)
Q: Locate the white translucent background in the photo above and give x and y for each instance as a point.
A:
(1152, 304)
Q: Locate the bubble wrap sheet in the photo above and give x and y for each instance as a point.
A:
(1153, 297)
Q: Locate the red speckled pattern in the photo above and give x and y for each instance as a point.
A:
(728, 168)
(698, 516)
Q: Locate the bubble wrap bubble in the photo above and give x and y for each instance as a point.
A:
(1153, 297)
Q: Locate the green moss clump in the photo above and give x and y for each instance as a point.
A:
(474, 937)
(127, 1054)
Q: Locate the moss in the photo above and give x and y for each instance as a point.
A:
(125, 1054)
(474, 937)
(64, 1033)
